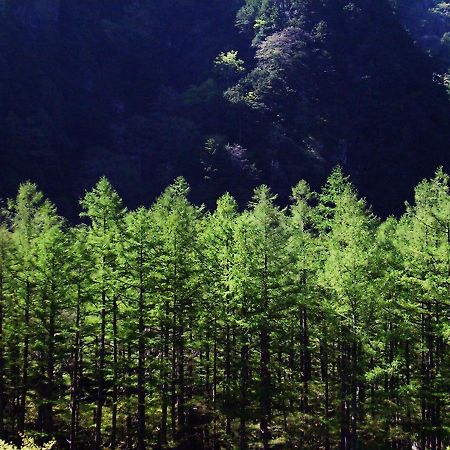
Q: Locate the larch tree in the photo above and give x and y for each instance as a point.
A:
(24, 217)
(424, 243)
(260, 264)
(348, 235)
(6, 295)
(217, 312)
(176, 223)
(103, 207)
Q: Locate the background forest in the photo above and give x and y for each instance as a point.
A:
(228, 93)
(314, 326)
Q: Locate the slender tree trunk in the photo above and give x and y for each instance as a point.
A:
(265, 400)
(354, 386)
(25, 362)
(190, 380)
(424, 383)
(431, 370)
(408, 381)
(325, 380)
(181, 378)
(74, 394)
(115, 377)
(45, 416)
(227, 379)
(164, 375)
(305, 362)
(47, 423)
(438, 360)
(291, 365)
(141, 368)
(343, 373)
(101, 377)
(173, 380)
(2, 360)
(129, 424)
(215, 380)
(243, 439)
(266, 392)
(208, 393)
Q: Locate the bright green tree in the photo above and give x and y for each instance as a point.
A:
(103, 207)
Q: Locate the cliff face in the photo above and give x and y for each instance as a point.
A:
(130, 90)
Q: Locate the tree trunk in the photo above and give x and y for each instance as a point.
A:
(101, 377)
(162, 440)
(129, 424)
(181, 380)
(25, 362)
(227, 380)
(325, 380)
(2, 361)
(265, 399)
(243, 439)
(173, 380)
(141, 370)
(74, 395)
(354, 386)
(343, 373)
(305, 360)
(115, 377)
(47, 419)
(215, 379)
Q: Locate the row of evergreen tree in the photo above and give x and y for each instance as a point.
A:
(313, 326)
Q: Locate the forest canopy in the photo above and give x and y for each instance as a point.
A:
(313, 326)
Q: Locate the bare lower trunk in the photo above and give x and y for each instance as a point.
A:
(265, 400)
(74, 395)
(141, 374)
(101, 378)
(25, 362)
(2, 362)
(243, 439)
(115, 378)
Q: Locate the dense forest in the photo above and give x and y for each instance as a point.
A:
(429, 23)
(315, 326)
(228, 93)
(231, 310)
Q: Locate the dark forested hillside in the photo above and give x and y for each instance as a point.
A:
(228, 93)
(429, 23)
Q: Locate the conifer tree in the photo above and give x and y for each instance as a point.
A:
(6, 254)
(103, 207)
(175, 220)
(139, 262)
(25, 213)
(217, 312)
(50, 285)
(425, 248)
(261, 244)
(80, 269)
(302, 310)
(348, 236)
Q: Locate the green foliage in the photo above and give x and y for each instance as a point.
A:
(28, 444)
(228, 64)
(297, 327)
